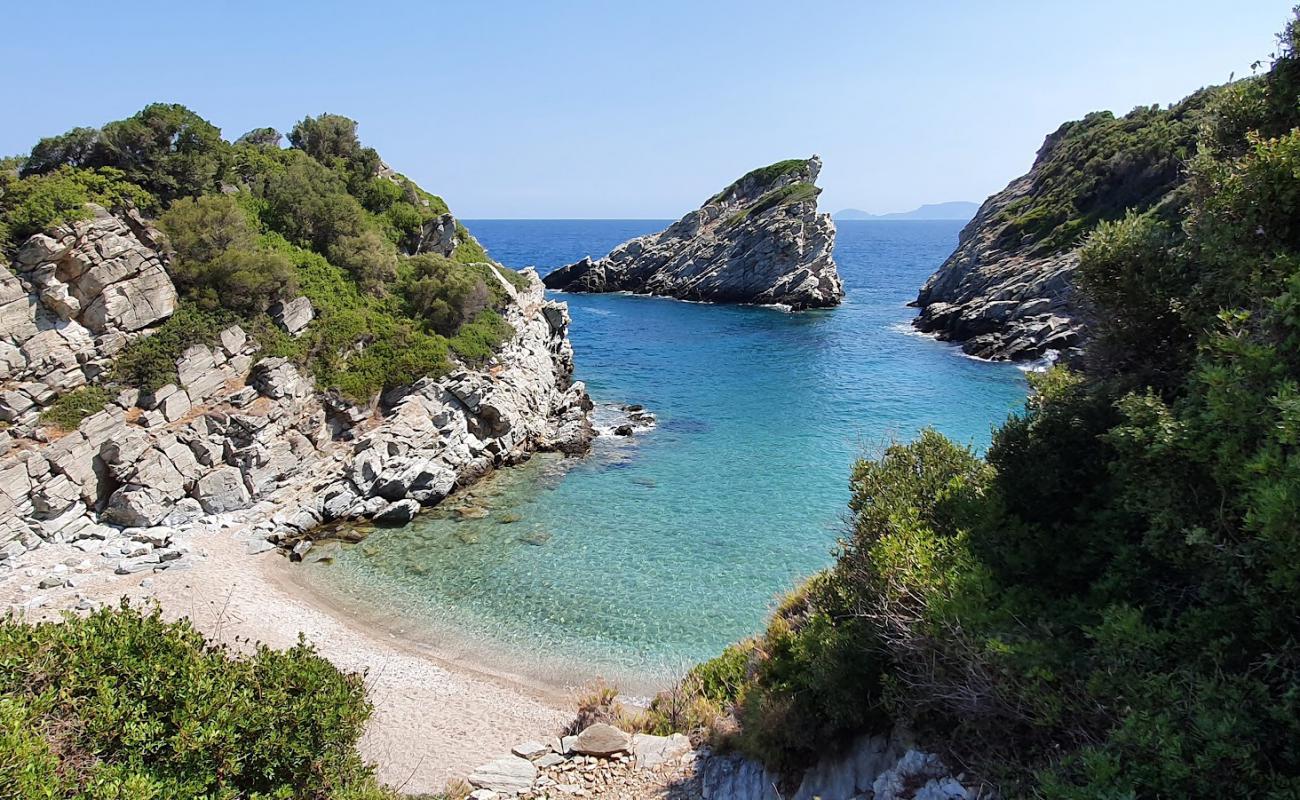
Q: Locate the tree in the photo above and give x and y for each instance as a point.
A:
(78, 147)
(167, 149)
(217, 260)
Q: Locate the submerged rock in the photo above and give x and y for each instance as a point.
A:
(760, 240)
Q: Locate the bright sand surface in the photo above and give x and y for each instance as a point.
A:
(436, 717)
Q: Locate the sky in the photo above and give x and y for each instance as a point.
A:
(642, 110)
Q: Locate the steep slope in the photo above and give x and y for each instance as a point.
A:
(760, 240)
(1007, 291)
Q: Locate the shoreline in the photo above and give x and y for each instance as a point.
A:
(435, 718)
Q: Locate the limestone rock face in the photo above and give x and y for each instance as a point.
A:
(760, 240)
(70, 302)
(1001, 297)
(231, 439)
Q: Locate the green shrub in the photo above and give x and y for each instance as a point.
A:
(149, 362)
(762, 175)
(218, 261)
(70, 409)
(1106, 605)
(787, 195)
(477, 340)
(121, 704)
(40, 202)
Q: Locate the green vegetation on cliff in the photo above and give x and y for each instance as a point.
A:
(1095, 169)
(1108, 603)
(250, 223)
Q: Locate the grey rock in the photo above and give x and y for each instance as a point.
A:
(998, 295)
(293, 315)
(760, 240)
(601, 740)
(233, 340)
(258, 546)
(399, 513)
(222, 490)
(651, 751)
(509, 775)
(300, 549)
(530, 749)
(136, 506)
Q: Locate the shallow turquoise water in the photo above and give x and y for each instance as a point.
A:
(660, 551)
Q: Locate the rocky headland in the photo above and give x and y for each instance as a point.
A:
(238, 440)
(760, 240)
(1008, 291)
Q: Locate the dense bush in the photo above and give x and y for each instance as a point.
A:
(69, 410)
(250, 223)
(121, 704)
(1108, 604)
(1098, 168)
(44, 201)
(166, 149)
(149, 363)
(218, 260)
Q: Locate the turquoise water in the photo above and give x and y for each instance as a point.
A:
(658, 551)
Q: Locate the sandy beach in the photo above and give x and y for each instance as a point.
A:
(434, 719)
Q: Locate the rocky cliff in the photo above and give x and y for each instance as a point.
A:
(1000, 302)
(760, 240)
(1007, 292)
(236, 438)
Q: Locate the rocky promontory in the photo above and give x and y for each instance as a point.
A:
(1008, 291)
(239, 438)
(760, 240)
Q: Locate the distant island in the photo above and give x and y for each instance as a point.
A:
(961, 210)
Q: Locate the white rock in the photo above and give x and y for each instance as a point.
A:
(509, 775)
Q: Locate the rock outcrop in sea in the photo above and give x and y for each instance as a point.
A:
(1002, 300)
(760, 240)
(236, 439)
(1007, 292)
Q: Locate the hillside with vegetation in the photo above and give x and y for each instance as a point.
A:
(1009, 290)
(401, 289)
(1106, 604)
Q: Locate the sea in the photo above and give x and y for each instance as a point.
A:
(658, 550)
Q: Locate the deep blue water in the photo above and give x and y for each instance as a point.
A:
(655, 552)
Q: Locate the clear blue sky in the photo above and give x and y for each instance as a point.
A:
(621, 109)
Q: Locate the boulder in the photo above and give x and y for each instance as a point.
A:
(293, 315)
(222, 490)
(509, 775)
(651, 751)
(601, 740)
(399, 513)
(136, 506)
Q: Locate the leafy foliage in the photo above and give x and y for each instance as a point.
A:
(218, 261)
(787, 195)
(44, 201)
(760, 177)
(250, 223)
(1098, 168)
(121, 704)
(1106, 605)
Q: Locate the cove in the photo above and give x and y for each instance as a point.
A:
(655, 552)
